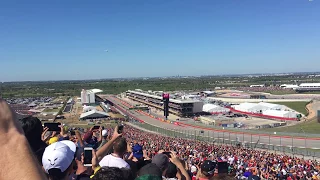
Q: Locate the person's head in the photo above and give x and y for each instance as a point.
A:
(104, 133)
(137, 151)
(120, 146)
(33, 129)
(58, 160)
(171, 171)
(161, 161)
(149, 172)
(109, 173)
(208, 168)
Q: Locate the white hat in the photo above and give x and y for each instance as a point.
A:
(58, 155)
(104, 133)
(193, 169)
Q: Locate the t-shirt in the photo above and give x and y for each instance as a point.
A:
(112, 161)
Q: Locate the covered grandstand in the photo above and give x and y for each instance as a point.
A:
(305, 87)
(93, 114)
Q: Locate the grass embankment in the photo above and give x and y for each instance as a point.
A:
(309, 127)
(48, 110)
(297, 106)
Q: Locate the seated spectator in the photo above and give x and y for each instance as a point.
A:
(33, 130)
(58, 160)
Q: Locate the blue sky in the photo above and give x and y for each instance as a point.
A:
(66, 39)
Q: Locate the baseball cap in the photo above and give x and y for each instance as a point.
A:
(137, 151)
(161, 161)
(193, 169)
(104, 133)
(58, 155)
(207, 167)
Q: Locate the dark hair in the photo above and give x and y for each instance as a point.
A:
(120, 146)
(33, 129)
(171, 170)
(56, 174)
(109, 173)
(127, 174)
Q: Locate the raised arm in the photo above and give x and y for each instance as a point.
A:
(78, 135)
(17, 161)
(105, 148)
(175, 160)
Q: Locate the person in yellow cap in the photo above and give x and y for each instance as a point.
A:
(53, 140)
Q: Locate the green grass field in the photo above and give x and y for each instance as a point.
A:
(51, 110)
(310, 127)
(297, 106)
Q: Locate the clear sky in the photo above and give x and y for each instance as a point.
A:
(67, 39)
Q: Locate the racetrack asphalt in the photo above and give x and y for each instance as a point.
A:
(300, 142)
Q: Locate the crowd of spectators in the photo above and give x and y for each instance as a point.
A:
(30, 151)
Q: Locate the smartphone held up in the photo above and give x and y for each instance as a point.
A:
(88, 156)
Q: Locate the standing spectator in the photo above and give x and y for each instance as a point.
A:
(58, 160)
(103, 139)
(116, 158)
(33, 130)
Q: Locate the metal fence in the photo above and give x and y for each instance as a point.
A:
(230, 139)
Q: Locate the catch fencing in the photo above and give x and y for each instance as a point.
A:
(229, 138)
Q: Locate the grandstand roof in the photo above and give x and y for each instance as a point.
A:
(94, 114)
(89, 108)
(160, 98)
(309, 84)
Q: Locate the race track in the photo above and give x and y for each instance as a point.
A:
(275, 140)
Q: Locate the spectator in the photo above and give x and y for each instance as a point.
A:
(103, 137)
(116, 158)
(109, 173)
(171, 173)
(207, 170)
(58, 160)
(33, 130)
(149, 172)
(161, 161)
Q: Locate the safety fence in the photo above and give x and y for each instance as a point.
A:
(227, 138)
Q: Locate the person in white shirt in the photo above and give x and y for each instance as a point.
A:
(115, 159)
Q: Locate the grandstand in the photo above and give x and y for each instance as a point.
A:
(305, 87)
(179, 107)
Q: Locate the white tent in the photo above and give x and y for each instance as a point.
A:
(272, 106)
(284, 114)
(93, 114)
(250, 107)
(212, 108)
